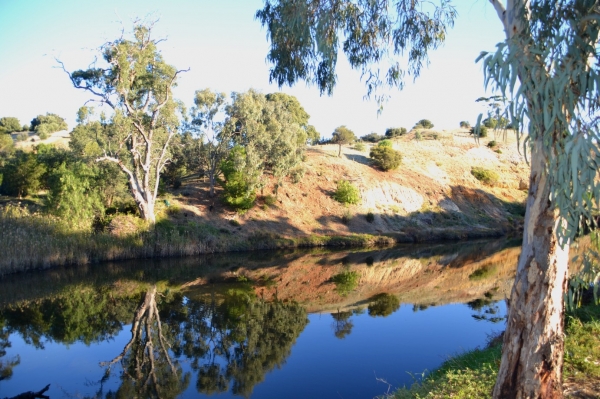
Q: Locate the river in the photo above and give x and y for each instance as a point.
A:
(294, 324)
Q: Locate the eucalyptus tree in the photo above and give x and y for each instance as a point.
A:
(547, 68)
(136, 83)
(215, 136)
(343, 135)
(271, 131)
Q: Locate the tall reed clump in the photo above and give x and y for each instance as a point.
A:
(34, 241)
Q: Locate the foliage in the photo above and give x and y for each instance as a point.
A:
(214, 137)
(383, 305)
(7, 147)
(486, 176)
(370, 217)
(346, 193)
(372, 137)
(22, 136)
(22, 175)
(272, 131)
(423, 124)
(359, 146)
(345, 282)
(136, 84)
(9, 124)
(465, 124)
(71, 195)
(385, 157)
(343, 135)
(479, 131)
(238, 191)
(385, 143)
(492, 143)
(495, 123)
(395, 132)
(305, 38)
(312, 135)
(45, 125)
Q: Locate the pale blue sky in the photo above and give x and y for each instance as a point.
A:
(225, 49)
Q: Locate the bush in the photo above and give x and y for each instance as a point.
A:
(297, 173)
(485, 176)
(372, 138)
(418, 136)
(385, 158)
(424, 123)
(346, 193)
(345, 282)
(395, 132)
(483, 131)
(22, 136)
(370, 217)
(385, 143)
(492, 144)
(270, 200)
(465, 124)
(359, 147)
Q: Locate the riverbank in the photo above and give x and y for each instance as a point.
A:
(433, 196)
(473, 374)
(37, 241)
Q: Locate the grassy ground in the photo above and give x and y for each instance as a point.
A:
(38, 241)
(473, 374)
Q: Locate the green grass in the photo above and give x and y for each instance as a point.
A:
(485, 176)
(473, 374)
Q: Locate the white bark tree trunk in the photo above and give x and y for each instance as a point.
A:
(533, 346)
(532, 353)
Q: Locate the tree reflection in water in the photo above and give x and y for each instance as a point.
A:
(234, 341)
(148, 370)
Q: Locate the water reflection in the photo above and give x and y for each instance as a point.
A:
(219, 325)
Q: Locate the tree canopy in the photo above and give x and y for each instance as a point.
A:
(136, 84)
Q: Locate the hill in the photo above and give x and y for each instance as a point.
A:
(432, 195)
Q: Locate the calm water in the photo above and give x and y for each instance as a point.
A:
(267, 325)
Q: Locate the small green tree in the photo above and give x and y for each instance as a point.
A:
(342, 135)
(346, 193)
(239, 192)
(385, 143)
(72, 195)
(465, 124)
(385, 157)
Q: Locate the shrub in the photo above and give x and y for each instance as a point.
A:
(297, 173)
(465, 124)
(485, 176)
(345, 282)
(385, 158)
(372, 138)
(424, 123)
(22, 136)
(359, 147)
(395, 132)
(385, 143)
(270, 200)
(370, 217)
(346, 193)
(483, 131)
(418, 136)
(346, 217)
(492, 144)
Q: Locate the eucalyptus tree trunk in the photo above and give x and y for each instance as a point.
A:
(533, 345)
(532, 353)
